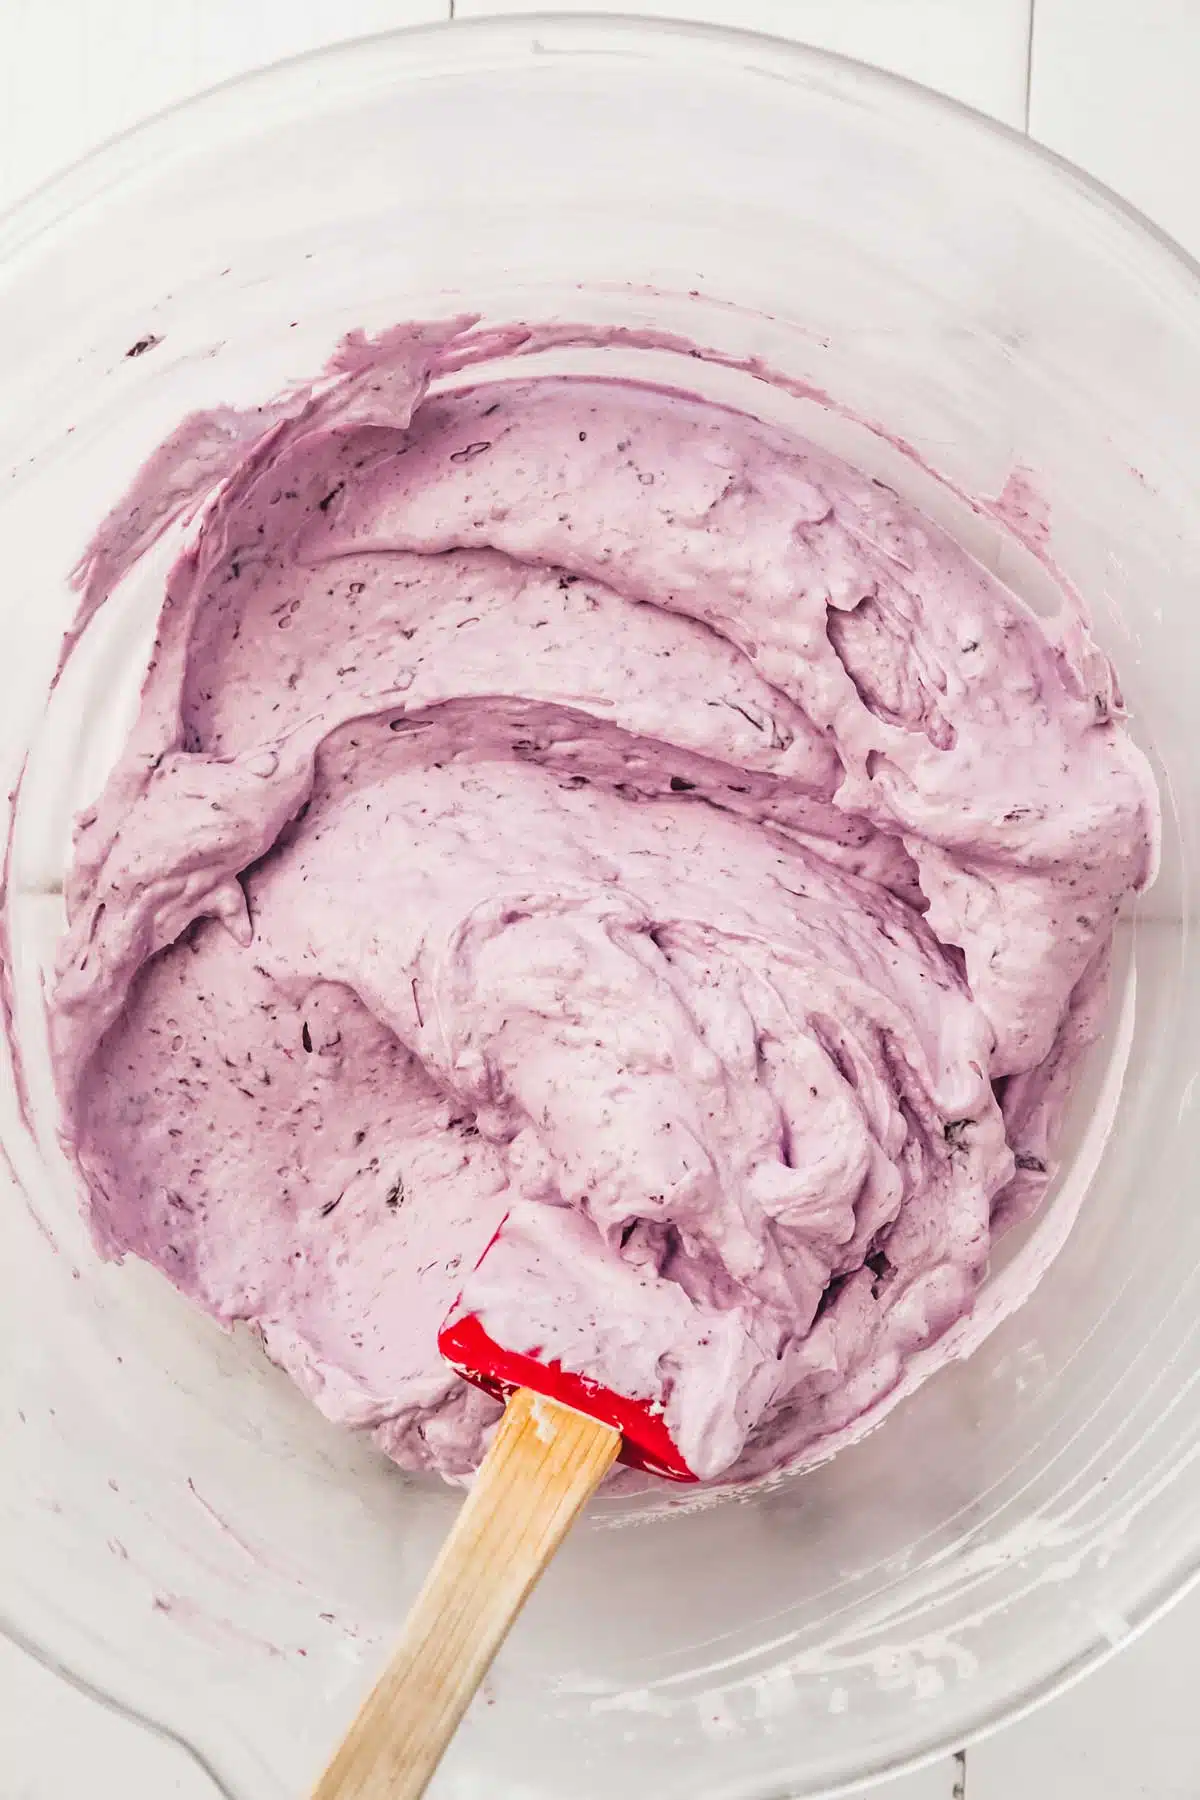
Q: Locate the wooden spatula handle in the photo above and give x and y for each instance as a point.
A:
(544, 1463)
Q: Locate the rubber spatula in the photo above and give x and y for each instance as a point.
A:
(560, 1434)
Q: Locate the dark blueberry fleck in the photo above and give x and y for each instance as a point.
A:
(1031, 1162)
(748, 716)
(395, 1194)
(306, 1037)
(680, 786)
(143, 344)
(471, 451)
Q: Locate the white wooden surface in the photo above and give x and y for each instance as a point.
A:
(1111, 84)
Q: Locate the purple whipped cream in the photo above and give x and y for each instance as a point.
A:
(569, 799)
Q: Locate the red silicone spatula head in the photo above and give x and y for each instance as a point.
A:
(473, 1351)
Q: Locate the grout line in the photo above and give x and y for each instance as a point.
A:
(959, 1790)
(1028, 61)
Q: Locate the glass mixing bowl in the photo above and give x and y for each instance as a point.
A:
(180, 1529)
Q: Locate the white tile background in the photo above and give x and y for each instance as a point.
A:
(1113, 85)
